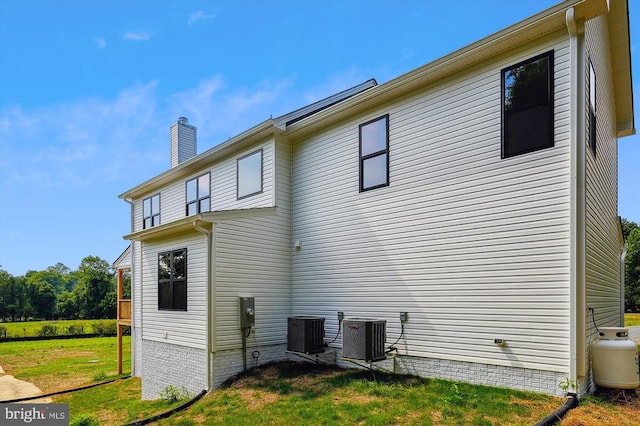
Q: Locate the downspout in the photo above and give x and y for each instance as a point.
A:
(134, 326)
(209, 237)
(577, 316)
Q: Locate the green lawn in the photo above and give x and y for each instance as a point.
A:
(112, 404)
(60, 364)
(32, 328)
(308, 394)
(631, 320)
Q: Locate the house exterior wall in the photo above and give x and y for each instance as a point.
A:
(136, 309)
(472, 246)
(186, 328)
(253, 258)
(222, 187)
(603, 247)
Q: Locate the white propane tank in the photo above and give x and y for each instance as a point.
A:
(615, 359)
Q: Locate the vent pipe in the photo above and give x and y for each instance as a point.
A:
(183, 141)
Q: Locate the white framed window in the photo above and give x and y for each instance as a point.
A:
(249, 171)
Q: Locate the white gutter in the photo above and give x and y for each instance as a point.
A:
(577, 316)
(134, 326)
(210, 330)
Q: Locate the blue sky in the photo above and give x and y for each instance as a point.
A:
(88, 90)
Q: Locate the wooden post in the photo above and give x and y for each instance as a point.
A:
(118, 321)
(119, 349)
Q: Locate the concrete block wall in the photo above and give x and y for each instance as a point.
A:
(165, 364)
(225, 364)
(482, 374)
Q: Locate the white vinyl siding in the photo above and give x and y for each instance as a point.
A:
(472, 246)
(223, 189)
(224, 181)
(136, 308)
(253, 258)
(186, 328)
(602, 239)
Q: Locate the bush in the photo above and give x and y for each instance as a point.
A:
(173, 394)
(75, 329)
(48, 330)
(3, 331)
(105, 328)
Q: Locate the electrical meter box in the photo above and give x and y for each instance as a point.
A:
(247, 312)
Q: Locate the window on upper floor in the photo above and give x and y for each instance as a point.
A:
(249, 175)
(151, 211)
(527, 106)
(172, 280)
(374, 153)
(592, 108)
(198, 195)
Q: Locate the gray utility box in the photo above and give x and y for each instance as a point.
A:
(305, 334)
(364, 339)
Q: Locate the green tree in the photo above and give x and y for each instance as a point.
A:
(95, 281)
(67, 307)
(41, 299)
(12, 296)
(631, 230)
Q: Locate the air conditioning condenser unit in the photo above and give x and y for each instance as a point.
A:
(364, 339)
(305, 334)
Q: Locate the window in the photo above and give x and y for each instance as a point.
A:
(249, 175)
(592, 108)
(198, 195)
(527, 106)
(151, 211)
(374, 153)
(172, 280)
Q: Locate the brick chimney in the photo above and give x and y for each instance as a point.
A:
(183, 141)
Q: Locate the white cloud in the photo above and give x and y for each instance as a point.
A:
(136, 36)
(100, 42)
(199, 15)
(78, 142)
(125, 138)
(220, 113)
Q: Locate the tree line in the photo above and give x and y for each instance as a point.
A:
(60, 293)
(631, 232)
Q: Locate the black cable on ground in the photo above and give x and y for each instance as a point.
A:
(92, 385)
(557, 415)
(170, 412)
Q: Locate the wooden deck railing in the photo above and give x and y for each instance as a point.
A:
(124, 311)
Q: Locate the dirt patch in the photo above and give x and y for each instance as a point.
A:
(257, 399)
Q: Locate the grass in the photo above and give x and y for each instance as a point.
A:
(32, 328)
(288, 393)
(112, 404)
(308, 394)
(631, 320)
(58, 364)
